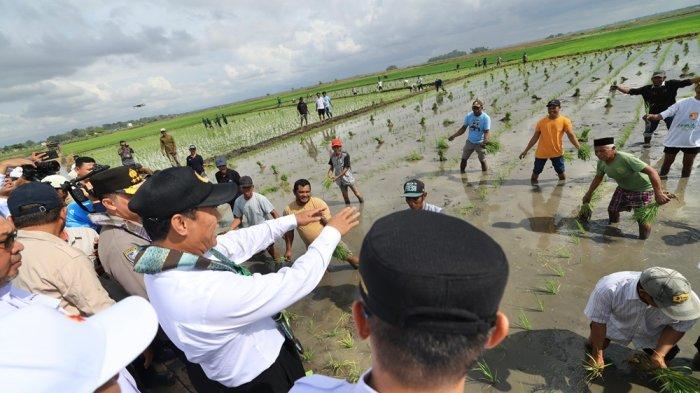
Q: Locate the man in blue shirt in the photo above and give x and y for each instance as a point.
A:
(327, 103)
(479, 124)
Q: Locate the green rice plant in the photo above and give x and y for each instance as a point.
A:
(335, 332)
(327, 182)
(269, 190)
(447, 122)
(608, 103)
(284, 178)
(343, 319)
(338, 366)
(422, 121)
(353, 375)
(274, 170)
(261, 166)
(434, 107)
(493, 146)
(467, 209)
(523, 321)
(563, 252)
(646, 214)
(540, 304)
(506, 118)
(351, 134)
(577, 93)
(441, 144)
(486, 372)
(583, 138)
(584, 153)
(414, 156)
(558, 270)
(347, 341)
(676, 380)
(416, 108)
(389, 123)
(341, 252)
(593, 369)
(483, 193)
(552, 287)
(371, 118)
(379, 139)
(307, 356)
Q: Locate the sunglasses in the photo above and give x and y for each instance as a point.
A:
(9, 240)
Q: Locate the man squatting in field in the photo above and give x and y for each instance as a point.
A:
(637, 182)
(479, 124)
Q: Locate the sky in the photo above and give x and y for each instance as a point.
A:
(70, 64)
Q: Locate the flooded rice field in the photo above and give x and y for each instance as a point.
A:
(535, 225)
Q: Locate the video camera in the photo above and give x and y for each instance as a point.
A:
(75, 189)
(40, 170)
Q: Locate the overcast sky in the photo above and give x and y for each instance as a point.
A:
(71, 64)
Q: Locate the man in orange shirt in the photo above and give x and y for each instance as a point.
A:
(550, 132)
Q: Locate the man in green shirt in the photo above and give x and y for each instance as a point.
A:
(637, 183)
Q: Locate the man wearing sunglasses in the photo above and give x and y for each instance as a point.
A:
(478, 123)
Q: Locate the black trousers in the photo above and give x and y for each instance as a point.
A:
(278, 378)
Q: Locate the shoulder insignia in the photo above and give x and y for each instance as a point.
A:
(130, 254)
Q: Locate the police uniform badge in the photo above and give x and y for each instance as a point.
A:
(131, 253)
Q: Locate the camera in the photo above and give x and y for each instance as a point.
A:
(40, 170)
(73, 187)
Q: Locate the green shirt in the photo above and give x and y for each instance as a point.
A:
(626, 170)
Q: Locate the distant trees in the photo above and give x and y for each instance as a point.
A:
(392, 67)
(454, 53)
(478, 49)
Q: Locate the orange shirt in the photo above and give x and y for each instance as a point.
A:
(551, 144)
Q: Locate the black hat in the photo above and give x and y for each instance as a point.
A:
(121, 178)
(40, 194)
(178, 189)
(413, 188)
(604, 141)
(432, 272)
(554, 103)
(246, 181)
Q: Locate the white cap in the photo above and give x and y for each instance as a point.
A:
(46, 351)
(56, 181)
(162, 129)
(16, 172)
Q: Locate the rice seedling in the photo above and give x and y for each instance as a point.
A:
(523, 321)
(389, 123)
(568, 157)
(414, 156)
(347, 341)
(487, 374)
(506, 118)
(584, 152)
(307, 356)
(269, 190)
(483, 193)
(608, 103)
(441, 144)
(422, 121)
(563, 252)
(327, 182)
(379, 139)
(338, 366)
(434, 107)
(540, 304)
(416, 108)
(552, 287)
(646, 214)
(341, 252)
(593, 369)
(493, 146)
(351, 134)
(558, 270)
(333, 332)
(676, 380)
(447, 122)
(466, 209)
(261, 166)
(284, 178)
(577, 93)
(274, 170)
(371, 118)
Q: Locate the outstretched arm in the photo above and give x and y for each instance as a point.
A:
(594, 185)
(458, 133)
(533, 140)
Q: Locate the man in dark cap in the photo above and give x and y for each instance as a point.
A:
(657, 96)
(637, 183)
(222, 317)
(227, 175)
(414, 192)
(430, 288)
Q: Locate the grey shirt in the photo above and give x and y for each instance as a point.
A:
(252, 211)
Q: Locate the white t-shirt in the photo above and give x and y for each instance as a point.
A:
(320, 103)
(685, 128)
(253, 211)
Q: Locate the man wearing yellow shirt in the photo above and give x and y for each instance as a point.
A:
(549, 136)
(303, 201)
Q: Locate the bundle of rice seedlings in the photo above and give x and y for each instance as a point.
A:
(341, 252)
(676, 380)
(646, 214)
(593, 369)
(493, 146)
(583, 138)
(422, 121)
(414, 156)
(379, 139)
(584, 153)
(274, 170)
(327, 182)
(585, 212)
(568, 157)
(442, 144)
(447, 122)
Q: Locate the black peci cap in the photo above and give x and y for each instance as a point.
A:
(121, 178)
(554, 102)
(178, 189)
(432, 272)
(603, 141)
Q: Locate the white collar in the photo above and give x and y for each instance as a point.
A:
(361, 386)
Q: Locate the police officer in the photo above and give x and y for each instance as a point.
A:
(224, 319)
(428, 309)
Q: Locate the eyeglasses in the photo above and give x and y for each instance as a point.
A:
(9, 240)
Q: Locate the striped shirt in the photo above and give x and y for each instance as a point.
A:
(616, 303)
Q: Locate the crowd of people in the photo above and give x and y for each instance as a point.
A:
(128, 261)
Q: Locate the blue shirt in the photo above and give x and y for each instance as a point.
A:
(477, 126)
(77, 217)
(327, 101)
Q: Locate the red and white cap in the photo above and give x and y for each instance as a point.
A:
(46, 351)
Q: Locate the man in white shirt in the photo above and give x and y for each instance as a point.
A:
(684, 133)
(414, 192)
(428, 305)
(212, 308)
(320, 107)
(652, 309)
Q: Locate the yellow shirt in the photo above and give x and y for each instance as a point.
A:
(53, 268)
(551, 144)
(309, 232)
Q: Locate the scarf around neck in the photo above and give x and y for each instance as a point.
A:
(155, 259)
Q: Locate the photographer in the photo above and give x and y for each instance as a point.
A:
(11, 177)
(126, 153)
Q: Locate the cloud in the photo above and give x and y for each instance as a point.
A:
(67, 64)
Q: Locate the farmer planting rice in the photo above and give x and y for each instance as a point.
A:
(414, 192)
(652, 309)
(637, 183)
(340, 171)
(684, 133)
(168, 147)
(478, 123)
(657, 96)
(549, 136)
(303, 202)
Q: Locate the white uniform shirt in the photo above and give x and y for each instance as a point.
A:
(685, 128)
(432, 208)
(222, 320)
(615, 303)
(323, 384)
(320, 104)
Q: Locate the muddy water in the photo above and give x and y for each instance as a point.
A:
(534, 225)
